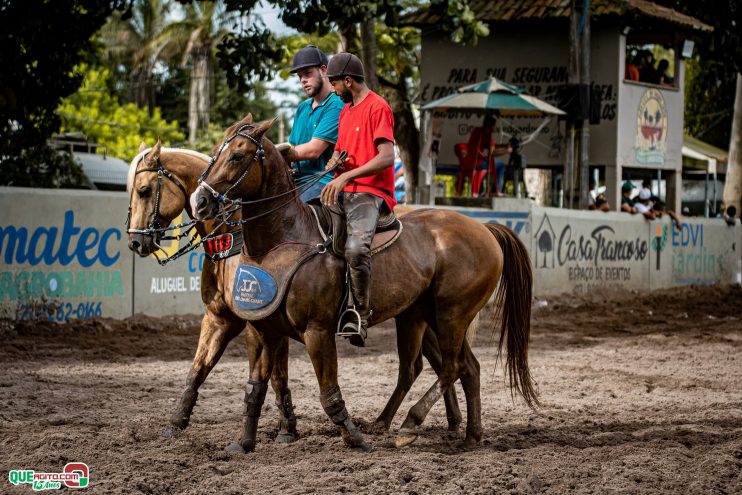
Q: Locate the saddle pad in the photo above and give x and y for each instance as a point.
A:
(260, 282)
(331, 223)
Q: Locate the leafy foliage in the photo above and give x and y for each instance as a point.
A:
(40, 40)
(94, 111)
(711, 74)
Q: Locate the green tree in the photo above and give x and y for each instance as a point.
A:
(196, 38)
(97, 113)
(136, 41)
(40, 42)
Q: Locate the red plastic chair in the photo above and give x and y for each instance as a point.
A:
(468, 169)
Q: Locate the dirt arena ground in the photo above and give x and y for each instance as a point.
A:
(641, 394)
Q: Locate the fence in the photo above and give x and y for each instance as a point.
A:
(64, 255)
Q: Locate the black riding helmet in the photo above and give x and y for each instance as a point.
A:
(345, 64)
(309, 56)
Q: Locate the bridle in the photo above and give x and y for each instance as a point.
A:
(259, 155)
(154, 227)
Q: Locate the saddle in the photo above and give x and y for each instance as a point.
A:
(332, 225)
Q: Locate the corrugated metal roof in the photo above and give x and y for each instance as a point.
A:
(512, 10)
(704, 148)
(103, 169)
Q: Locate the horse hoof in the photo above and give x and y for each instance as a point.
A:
(405, 438)
(179, 422)
(362, 447)
(469, 443)
(286, 438)
(171, 432)
(379, 428)
(235, 447)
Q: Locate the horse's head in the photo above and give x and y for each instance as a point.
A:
(238, 168)
(156, 197)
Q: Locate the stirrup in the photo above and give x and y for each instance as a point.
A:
(346, 321)
(353, 328)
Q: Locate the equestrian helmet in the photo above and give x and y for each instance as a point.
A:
(345, 64)
(309, 56)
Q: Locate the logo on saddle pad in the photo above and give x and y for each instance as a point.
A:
(253, 288)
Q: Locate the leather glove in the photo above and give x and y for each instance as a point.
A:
(288, 151)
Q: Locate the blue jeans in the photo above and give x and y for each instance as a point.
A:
(499, 172)
(312, 191)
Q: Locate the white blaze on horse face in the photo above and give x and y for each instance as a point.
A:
(194, 199)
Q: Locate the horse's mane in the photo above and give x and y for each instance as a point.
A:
(133, 165)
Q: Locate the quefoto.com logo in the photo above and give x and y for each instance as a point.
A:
(74, 475)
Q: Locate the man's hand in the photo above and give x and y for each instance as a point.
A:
(330, 193)
(288, 152)
(339, 159)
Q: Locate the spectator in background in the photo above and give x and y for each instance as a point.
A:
(399, 182)
(647, 72)
(627, 204)
(647, 186)
(730, 216)
(659, 210)
(631, 71)
(596, 200)
(664, 76)
(642, 204)
(482, 143)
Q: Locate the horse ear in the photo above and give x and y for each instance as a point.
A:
(155, 153)
(263, 127)
(247, 119)
(142, 146)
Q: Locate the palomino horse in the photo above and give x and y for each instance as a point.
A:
(166, 177)
(441, 271)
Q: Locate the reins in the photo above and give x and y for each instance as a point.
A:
(259, 155)
(154, 228)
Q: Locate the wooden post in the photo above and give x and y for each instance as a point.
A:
(733, 182)
(584, 41)
(573, 78)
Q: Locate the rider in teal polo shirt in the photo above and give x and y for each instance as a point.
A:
(315, 129)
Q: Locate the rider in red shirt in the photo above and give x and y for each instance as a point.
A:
(366, 132)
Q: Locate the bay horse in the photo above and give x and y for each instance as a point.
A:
(160, 181)
(440, 272)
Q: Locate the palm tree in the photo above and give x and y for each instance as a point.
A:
(137, 42)
(196, 38)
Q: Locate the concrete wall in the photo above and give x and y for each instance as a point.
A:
(581, 251)
(63, 255)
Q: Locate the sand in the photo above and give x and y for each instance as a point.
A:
(641, 393)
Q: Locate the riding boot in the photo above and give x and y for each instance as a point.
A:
(360, 279)
(361, 213)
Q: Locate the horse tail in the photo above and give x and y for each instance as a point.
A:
(513, 305)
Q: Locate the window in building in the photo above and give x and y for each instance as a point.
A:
(651, 64)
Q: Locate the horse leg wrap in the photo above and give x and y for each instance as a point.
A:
(334, 406)
(287, 418)
(254, 398)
